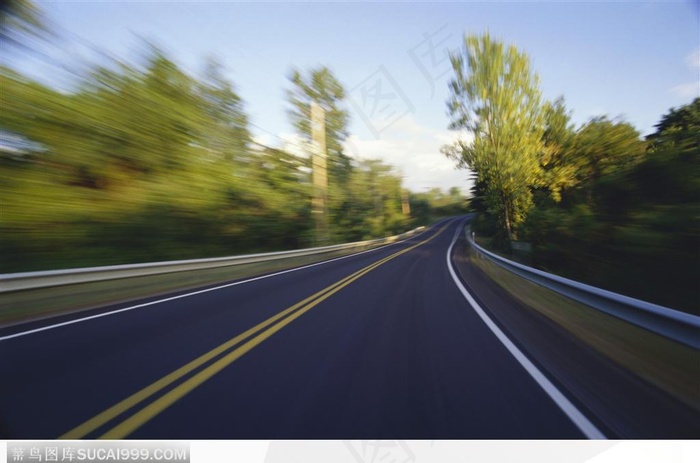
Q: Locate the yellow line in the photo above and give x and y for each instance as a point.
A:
(146, 414)
(162, 403)
(92, 424)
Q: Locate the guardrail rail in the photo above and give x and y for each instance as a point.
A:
(673, 324)
(34, 295)
(32, 280)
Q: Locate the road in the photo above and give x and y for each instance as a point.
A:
(382, 344)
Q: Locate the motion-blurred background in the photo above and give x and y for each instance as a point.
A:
(143, 162)
(139, 160)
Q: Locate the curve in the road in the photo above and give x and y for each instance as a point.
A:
(576, 416)
(397, 347)
(253, 337)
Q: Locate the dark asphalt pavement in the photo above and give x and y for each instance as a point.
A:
(391, 351)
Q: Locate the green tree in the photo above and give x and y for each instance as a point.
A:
(631, 224)
(603, 147)
(670, 172)
(225, 131)
(495, 96)
(371, 207)
(144, 162)
(428, 206)
(282, 187)
(679, 129)
(558, 169)
(322, 87)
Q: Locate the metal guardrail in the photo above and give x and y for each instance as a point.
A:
(673, 324)
(33, 280)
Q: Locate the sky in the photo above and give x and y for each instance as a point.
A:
(633, 60)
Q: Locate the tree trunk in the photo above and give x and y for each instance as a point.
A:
(507, 214)
(508, 227)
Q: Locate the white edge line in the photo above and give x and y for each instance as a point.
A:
(180, 296)
(574, 414)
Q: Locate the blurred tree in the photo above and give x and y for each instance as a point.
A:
(478, 202)
(495, 96)
(603, 147)
(282, 188)
(24, 102)
(143, 162)
(679, 129)
(421, 209)
(371, 207)
(671, 171)
(636, 227)
(558, 169)
(225, 131)
(435, 204)
(323, 88)
(20, 20)
(171, 111)
(137, 120)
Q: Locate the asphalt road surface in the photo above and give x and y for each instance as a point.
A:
(397, 342)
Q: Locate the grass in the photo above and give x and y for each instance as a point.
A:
(671, 366)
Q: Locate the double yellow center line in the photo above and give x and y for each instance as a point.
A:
(257, 335)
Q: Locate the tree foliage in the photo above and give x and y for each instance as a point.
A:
(598, 203)
(226, 124)
(558, 169)
(140, 163)
(495, 96)
(678, 130)
(602, 147)
(371, 204)
(145, 162)
(629, 223)
(364, 197)
(322, 87)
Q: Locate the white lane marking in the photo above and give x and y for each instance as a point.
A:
(172, 298)
(574, 414)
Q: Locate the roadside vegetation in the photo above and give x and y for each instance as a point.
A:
(142, 162)
(598, 203)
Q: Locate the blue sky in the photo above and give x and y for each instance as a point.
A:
(634, 60)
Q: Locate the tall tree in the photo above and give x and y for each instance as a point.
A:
(225, 127)
(495, 96)
(322, 87)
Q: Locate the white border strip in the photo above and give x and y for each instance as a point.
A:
(194, 293)
(574, 414)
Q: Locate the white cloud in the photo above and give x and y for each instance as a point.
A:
(687, 90)
(415, 152)
(413, 149)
